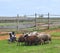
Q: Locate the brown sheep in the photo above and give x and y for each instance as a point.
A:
(31, 40)
(20, 39)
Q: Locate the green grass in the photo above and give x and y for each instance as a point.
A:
(53, 47)
(7, 24)
(55, 34)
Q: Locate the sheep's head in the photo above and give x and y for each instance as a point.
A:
(26, 35)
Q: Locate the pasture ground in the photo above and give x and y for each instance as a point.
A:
(53, 47)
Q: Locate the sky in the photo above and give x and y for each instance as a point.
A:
(29, 7)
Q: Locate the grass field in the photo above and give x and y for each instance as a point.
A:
(7, 24)
(54, 34)
(53, 47)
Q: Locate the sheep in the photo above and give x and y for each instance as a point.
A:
(30, 40)
(21, 39)
(44, 37)
(32, 33)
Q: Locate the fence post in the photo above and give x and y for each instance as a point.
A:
(35, 20)
(17, 22)
(48, 21)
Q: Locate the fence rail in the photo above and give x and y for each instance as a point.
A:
(29, 23)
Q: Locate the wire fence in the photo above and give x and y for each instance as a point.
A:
(29, 22)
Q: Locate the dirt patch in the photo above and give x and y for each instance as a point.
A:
(7, 36)
(51, 31)
(17, 35)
